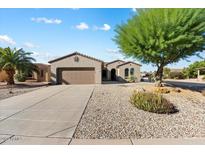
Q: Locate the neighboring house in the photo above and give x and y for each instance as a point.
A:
(77, 68)
(176, 70)
(43, 74)
(3, 76)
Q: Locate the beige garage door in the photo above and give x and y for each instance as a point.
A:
(77, 76)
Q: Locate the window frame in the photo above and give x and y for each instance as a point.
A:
(132, 71)
(126, 72)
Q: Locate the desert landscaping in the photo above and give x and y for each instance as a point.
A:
(110, 115)
(7, 91)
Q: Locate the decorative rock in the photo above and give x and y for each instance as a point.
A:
(111, 116)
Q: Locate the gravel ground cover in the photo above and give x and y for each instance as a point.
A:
(110, 115)
(18, 89)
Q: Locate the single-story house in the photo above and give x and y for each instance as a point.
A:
(77, 68)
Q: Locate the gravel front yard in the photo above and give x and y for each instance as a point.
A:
(18, 89)
(110, 115)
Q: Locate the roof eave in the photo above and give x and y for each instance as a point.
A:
(128, 63)
(74, 53)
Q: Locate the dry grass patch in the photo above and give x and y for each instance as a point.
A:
(162, 90)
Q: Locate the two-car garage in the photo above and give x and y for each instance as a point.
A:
(76, 68)
(76, 75)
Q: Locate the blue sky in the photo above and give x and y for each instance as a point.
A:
(50, 33)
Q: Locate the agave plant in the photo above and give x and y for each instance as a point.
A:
(12, 60)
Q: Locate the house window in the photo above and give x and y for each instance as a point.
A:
(126, 72)
(132, 71)
(42, 73)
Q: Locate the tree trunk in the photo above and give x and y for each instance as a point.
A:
(159, 75)
(10, 73)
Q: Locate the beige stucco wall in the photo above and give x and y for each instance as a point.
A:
(83, 62)
(111, 66)
(46, 73)
(3, 76)
(121, 70)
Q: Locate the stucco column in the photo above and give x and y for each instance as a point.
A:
(198, 74)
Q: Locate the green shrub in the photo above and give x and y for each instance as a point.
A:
(132, 79)
(21, 77)
(152, 102)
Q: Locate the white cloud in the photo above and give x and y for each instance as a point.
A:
(134, 9)
(75, 8)
(46, 20)
(6, 39)
(113, 51)
(105, 27)
(82, 26)
(36, 54)
(30, 45)
(43, 56)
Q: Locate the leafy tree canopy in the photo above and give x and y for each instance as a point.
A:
(162, 36)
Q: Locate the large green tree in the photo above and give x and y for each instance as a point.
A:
(162, 36)
(12, 60)
(191, 71)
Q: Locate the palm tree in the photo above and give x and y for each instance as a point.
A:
(12, 60)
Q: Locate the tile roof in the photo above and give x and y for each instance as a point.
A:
(74, 53)
(128, 63)
(114, 62)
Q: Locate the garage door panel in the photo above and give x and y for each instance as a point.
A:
(77, 76)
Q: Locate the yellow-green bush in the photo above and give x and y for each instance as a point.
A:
(152, 102)
(162, 90)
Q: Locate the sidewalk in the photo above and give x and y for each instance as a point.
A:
(165, 141)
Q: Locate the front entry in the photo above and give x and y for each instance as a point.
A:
(104, 74)
(113, 74)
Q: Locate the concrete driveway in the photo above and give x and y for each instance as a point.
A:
(45, 116)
